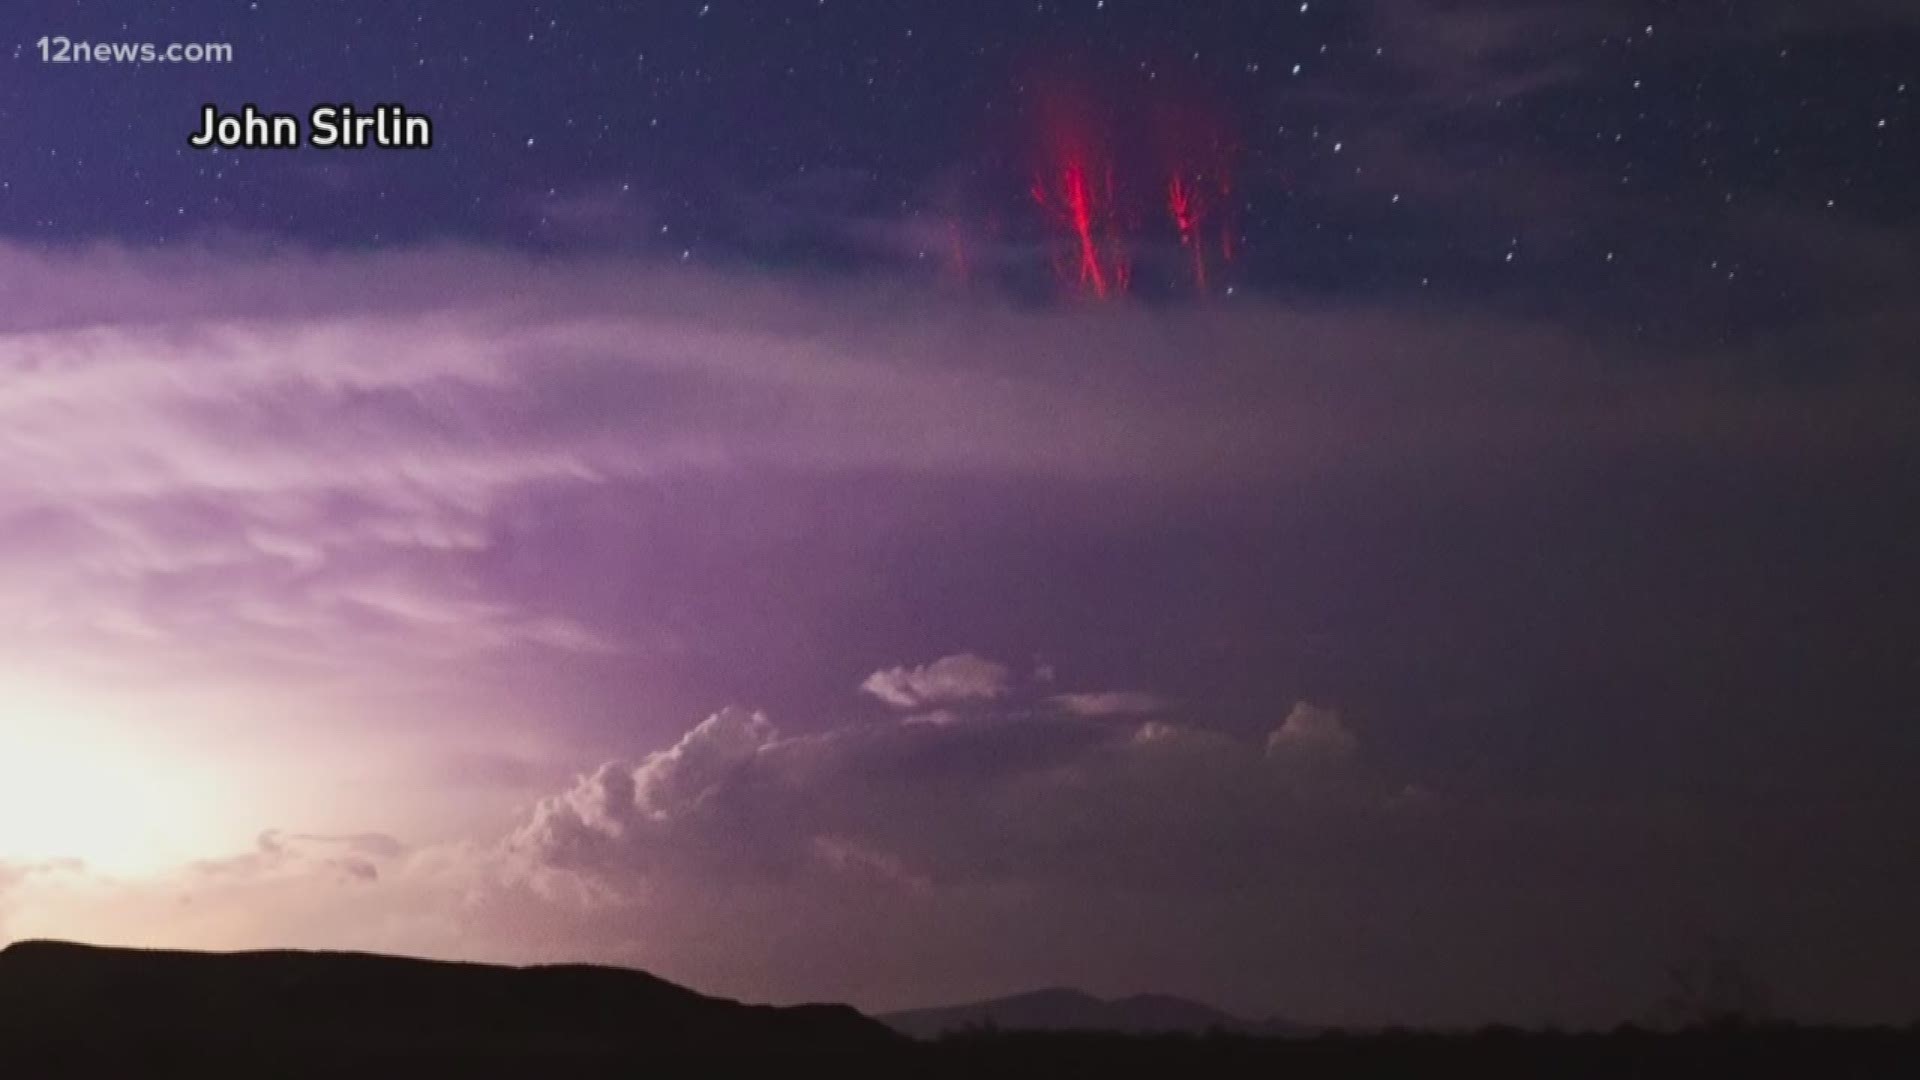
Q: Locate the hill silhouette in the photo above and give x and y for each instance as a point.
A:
(70, 1010)
(59, 998)
(1060, 1010)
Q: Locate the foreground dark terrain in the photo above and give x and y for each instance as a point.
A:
(1067, 1010)
(63, 1003)
(68, 1010)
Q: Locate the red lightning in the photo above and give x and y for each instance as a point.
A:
(1200, 201)
(1189, 211)
(1198, 154)
(1086, 212)
(1080, 216)
(1096, 222)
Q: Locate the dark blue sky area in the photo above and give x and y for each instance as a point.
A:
(1706, 171)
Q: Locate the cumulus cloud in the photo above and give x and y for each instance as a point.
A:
(958, 678)
(703, 760)
(1111, 703)
(1010, 797)
(617, 798)
(1310, 730)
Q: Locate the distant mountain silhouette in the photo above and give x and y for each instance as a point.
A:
(1074, 1010)
(60, 998)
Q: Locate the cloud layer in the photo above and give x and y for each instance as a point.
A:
(1291, 657)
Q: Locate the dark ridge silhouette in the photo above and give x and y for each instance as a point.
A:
(1064, 1010)
(61, 998)
(79, 1011)
(1746, 1052)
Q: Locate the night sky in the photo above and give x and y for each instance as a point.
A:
(1364, 511)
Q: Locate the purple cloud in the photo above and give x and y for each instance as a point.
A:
(1112, 703)
(950, 679)
(307, 536)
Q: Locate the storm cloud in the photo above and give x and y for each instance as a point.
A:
(1188, 648)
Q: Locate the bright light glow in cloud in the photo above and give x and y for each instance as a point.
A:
(81, 783)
